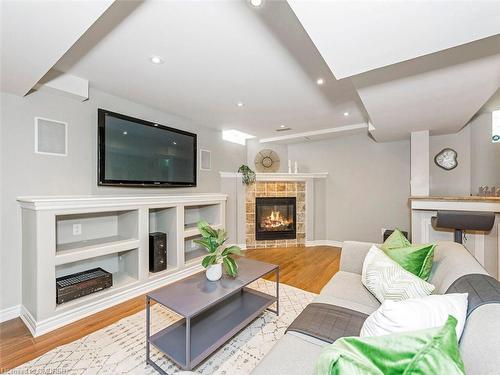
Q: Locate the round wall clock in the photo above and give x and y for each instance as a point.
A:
(446, 159)
(267, 161)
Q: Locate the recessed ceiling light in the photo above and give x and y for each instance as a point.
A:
(320, 81)
(240, 104)
(346, 114)
(256, 3)
(156, 60)
(282, 126)
(125, 133)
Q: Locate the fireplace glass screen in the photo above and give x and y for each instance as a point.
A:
(275, 218)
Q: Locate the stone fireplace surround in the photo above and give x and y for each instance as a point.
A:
(302, 184)
(273, 189)
(275, 214)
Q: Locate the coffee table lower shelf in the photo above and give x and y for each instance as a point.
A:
(211, 328)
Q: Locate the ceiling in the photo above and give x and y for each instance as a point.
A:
(35, 34)
(440, 92)
(401, 66)
(358, 36)
(216, 54)
(493, 104)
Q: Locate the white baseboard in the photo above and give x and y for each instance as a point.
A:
(10, 313)
(324, 243)
(38, 328)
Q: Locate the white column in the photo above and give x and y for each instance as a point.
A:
(419, 183)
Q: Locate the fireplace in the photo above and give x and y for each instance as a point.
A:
(275, 218)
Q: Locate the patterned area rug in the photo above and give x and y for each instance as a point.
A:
(120, 347)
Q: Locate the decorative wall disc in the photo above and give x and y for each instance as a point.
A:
(446, 159)
(267, 161)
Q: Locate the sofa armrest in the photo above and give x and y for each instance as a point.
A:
(352, 256)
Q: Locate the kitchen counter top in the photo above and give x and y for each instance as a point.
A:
(473, 198)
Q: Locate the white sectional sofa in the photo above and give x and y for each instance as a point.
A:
(296, 353)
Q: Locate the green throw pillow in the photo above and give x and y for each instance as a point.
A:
(430, 351)
(416, 259)
(395, 241)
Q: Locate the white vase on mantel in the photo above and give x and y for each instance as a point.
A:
(214, 272)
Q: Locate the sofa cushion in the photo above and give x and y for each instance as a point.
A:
(430, 351)
(416, 259)
(346, 290)
(386, 279)
(480, 342)
(451, 261)
(291, 355)
(415, 314)
(396, 240)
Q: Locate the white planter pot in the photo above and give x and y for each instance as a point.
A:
(214, 272)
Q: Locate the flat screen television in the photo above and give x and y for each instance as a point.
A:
(134, 152)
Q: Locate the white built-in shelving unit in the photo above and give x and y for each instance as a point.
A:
(114, 236)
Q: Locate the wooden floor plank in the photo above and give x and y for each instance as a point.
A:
(307, 268)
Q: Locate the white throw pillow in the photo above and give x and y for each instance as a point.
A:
(386, 279)
(416, 313)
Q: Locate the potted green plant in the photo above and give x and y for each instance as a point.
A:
(213, 240)
(248, 177)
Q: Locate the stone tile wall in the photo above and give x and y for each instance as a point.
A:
(275, 189)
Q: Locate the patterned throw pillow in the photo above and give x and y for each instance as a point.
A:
(386, 279)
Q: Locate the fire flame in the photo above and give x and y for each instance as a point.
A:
(275, 220)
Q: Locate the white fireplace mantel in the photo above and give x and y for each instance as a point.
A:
(278, 176)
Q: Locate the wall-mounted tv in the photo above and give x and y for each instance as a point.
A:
(134, 152)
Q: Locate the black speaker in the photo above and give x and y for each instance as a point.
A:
(157, 251)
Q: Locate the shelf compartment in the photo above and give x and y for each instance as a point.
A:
(164, 219)
(124, 266)
(97, 229)
(192, 251)
(192, 230)
(209, 212)
(82, 250)
(212, 327)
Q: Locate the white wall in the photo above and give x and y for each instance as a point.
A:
(485, 155)
(478, 160)
(253, 147)
(367, 188)
(25, 173)
(419, 157)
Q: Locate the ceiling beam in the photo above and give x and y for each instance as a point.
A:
(322, 133)
(36, 34)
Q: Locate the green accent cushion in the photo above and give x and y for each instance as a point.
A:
(395, 241)
(430, 351)
(416, 259)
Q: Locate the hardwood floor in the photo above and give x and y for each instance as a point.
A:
(305, 268)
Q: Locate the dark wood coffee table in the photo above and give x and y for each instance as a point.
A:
(212, 311)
